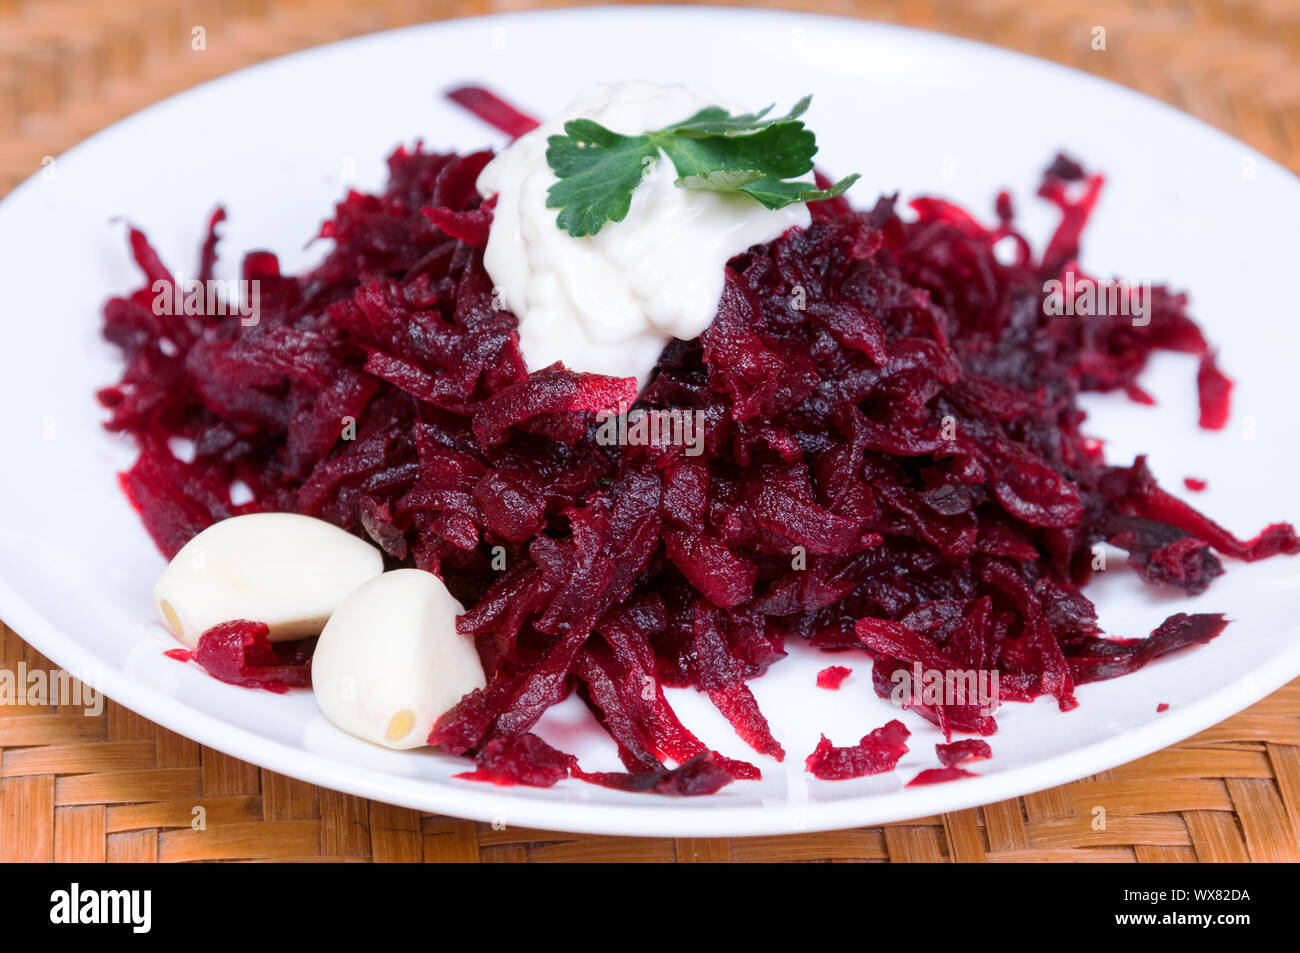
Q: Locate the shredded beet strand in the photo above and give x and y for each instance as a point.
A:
(960, 752)
(240, 652)
(939, 775)
(832, 677)
(876, 753)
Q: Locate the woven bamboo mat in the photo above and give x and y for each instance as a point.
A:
(116, 787)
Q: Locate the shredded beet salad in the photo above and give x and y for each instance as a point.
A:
(892, 462)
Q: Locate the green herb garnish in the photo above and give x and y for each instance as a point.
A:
(713, 150)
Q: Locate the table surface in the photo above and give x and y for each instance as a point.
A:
(117, 787)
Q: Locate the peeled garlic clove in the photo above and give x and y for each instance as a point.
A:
(286, 570)
(390, 660)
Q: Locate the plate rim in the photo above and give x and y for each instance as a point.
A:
(652, 818)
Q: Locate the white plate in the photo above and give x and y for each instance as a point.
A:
(913, 111)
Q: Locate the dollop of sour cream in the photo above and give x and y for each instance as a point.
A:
(608, 303)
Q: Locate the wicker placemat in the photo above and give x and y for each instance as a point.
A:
(114, 786)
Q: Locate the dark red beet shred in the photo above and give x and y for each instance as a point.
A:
(876, 753)
(493, 110)
(960, 752)
(521, 759)
(833, 677)
(703, 773)
(939, 775)
(1215, 391)
(892, 457)
(240, 652)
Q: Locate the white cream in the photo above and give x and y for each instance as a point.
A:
(390, 660)
(609, 303)
(283, 569)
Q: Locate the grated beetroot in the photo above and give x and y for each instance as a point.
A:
(959, 752)
(833, 677)
(493, 110)
(876, 753)
(1215, 390)
(940, 775)
(892, 460)
(704, 773)
(240, 652)
(520, 759)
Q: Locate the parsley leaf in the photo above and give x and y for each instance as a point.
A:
(775, 193)
(714, 120)
(598, 172)
(599, 169)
